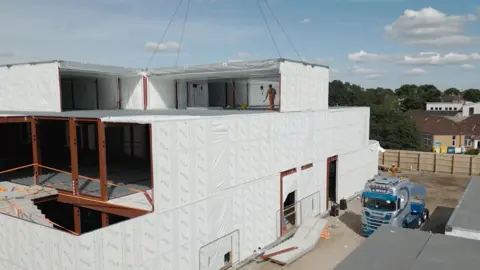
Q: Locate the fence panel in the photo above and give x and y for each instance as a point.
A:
(431, 162)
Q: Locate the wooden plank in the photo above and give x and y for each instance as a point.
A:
(269, 255)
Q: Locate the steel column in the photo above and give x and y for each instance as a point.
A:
(102, 160)
(105, 219)
(77, 224)
(33, 129)
(72, 131)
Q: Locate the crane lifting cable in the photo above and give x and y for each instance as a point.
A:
(164, 34)
(283, 30)
(269, 30)
(183, 32)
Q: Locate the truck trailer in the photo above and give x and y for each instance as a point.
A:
(395, 201)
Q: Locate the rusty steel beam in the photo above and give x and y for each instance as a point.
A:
(106, 207)
(14, 119)
(72, 131)
(105, 219)
(77, 224)
(33, 129)
(102, 160)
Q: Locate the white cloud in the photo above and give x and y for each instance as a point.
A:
(306, 20)
(467, 66)
(334, 70)
(165, 47)
(429, 26)
(416, 71)
(363, 56)
(423, 58)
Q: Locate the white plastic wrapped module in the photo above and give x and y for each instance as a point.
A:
(303, 87)
(30, 87)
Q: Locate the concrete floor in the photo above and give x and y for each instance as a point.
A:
(443, 193)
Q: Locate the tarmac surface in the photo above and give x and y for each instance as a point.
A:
(443, 193)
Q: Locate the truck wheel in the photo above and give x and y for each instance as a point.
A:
(425, 215)
(419, 222)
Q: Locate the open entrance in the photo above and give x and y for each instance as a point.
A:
(16, 151)
(332, 180)
(289, 212)
(229, 93)
(89, 91)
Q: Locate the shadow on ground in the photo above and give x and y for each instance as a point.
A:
(353, 221)
(438, 220)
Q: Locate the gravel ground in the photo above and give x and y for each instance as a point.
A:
(443, 192)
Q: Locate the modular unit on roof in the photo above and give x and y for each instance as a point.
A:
(63, 85)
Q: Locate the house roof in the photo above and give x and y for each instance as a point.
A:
(446, 125)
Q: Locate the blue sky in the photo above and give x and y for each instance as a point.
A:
(382, 43)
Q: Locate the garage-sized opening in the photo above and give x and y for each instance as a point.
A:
(89, 91)
(237, 93)
(16, 152)
(128, 152)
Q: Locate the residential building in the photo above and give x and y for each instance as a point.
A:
(447, 131)
(115, 168)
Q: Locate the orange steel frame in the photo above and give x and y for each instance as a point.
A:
(74, 197)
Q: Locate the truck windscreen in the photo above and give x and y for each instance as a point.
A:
(377, 204)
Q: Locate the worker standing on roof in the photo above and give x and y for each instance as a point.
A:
(271, 92)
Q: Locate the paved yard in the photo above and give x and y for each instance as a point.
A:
(443, 192)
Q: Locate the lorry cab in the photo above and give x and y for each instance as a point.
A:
(392, 200)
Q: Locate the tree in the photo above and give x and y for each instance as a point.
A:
(413, 97)
(451, 92)
(472, 95)
(388, 124)
(393, 129)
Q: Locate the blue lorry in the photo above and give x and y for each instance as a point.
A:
(395, 201)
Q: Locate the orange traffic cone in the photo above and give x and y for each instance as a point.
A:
(325, 234)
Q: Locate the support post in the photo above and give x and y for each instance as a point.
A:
(176, 94)
(453, 164)
(398, 159)
(470, 171)
(418, 162)
(150, 151)
(102, 160)
(435, 162)
(119, 93)
(145, 92)
(33, 129)
(77, 225)
(72, 131)
(105, 219)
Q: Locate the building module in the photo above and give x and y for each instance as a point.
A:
(114, 168)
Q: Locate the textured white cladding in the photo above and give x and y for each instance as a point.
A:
(30, 87)
(216, 190)
(303, 87)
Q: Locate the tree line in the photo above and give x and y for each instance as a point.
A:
(389, 123)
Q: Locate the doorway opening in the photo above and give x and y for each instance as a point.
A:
(289, 213)
(332, 180)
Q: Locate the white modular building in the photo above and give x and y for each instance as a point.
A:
(220, 181)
